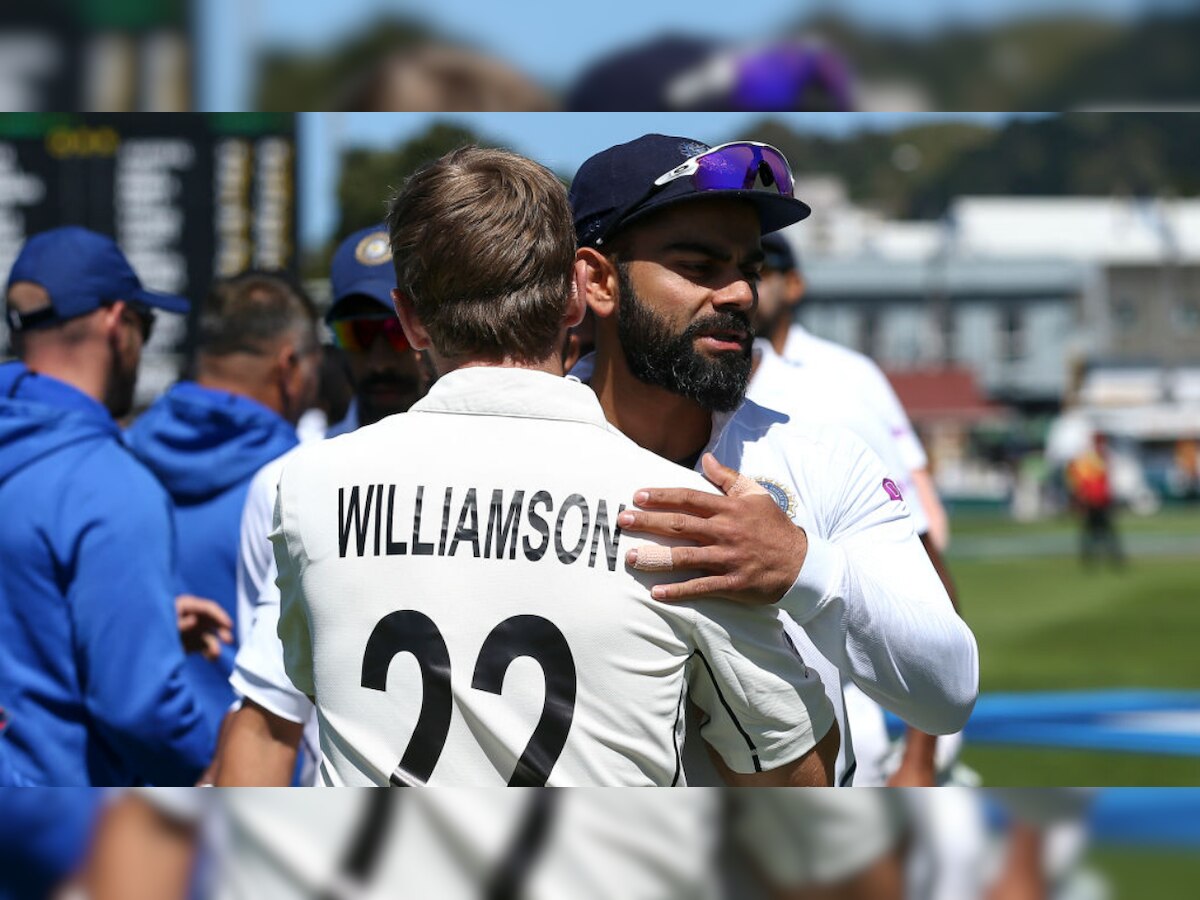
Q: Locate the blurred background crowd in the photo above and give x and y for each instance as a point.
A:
(380, 55)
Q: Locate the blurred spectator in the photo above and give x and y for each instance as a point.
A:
(274, 732)
(1092, 496)
(91, 668)
(257, 358)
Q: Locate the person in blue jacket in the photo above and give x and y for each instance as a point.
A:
(256, 365)
(91, 663)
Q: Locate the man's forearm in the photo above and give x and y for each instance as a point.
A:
(259, 749)
(814, 769)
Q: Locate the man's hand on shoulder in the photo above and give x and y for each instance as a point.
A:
(748, 545)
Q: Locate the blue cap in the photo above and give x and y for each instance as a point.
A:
(362, 266)
(616, 187)
(81, 271)
(778, 252)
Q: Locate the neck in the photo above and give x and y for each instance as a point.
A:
(86, 372)
(666, 424)
(779, 334)
(247, 377)
(551, 365)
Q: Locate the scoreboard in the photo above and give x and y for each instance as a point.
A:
(189, 197)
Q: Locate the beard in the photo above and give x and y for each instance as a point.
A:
(122, 383)
(382, 394)
(658, 356)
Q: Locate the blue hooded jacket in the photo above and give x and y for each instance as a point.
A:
(91, 666)
(204, 446)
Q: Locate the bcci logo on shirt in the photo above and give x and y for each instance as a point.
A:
(783, 498)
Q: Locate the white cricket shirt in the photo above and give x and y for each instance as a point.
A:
(454, 596)
(861, 375)
(868, 605)
(452, 844)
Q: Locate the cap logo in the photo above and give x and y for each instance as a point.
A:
(374, 249)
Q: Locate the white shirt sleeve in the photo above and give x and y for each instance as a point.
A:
(763, 707)
(294, 629)
(880, 393)
(258, 671)
(870, 599)
(256, 566)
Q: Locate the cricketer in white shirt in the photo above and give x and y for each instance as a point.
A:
(826, 388)
(454, 596)
(453, 844)
(867, 605)
(861, 376)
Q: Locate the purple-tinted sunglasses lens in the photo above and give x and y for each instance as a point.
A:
(737, 168)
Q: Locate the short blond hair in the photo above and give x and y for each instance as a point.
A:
(483, 244)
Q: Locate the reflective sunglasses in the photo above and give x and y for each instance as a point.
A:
(736, 166)
(360, 334)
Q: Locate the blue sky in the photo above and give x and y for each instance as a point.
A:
(553, 39)
(560, 141)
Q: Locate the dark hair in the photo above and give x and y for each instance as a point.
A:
(247, 313)
(483, 245)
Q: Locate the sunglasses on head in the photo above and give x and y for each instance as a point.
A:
(360, 334)
(736, 166)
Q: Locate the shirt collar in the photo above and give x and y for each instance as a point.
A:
(587, 365)
(504, 391)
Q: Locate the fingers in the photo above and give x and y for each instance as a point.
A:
(696, 589)
(669, 524)
(211, 647)
(186, 604)
(732, 482)
(686, 500)
(656, 558)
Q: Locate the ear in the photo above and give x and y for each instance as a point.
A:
(406, 311)
(596, 280)
(110, 318)
(576, 305)
(795, 287)
(286, 357)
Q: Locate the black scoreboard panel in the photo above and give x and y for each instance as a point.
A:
(187, 196)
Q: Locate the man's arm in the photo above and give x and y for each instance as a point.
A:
(127, 638)
(259, 748)
(140, 853)
(814, 769)
(918, 765)
(867, 595)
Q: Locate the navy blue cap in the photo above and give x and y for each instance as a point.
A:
(778, 253)
(81, 271)
(616, 187)
(362, 267)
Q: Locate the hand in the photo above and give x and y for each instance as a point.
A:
(203, 625)
(744, 539)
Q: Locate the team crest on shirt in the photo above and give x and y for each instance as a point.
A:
(892, 489)
(374, 249)
(783, 498)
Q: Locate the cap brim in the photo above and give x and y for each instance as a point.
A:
(774, 210)
(376, 288)
(170, 302)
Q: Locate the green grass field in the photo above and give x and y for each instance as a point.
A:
(1149, 874)
(1045, 624)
